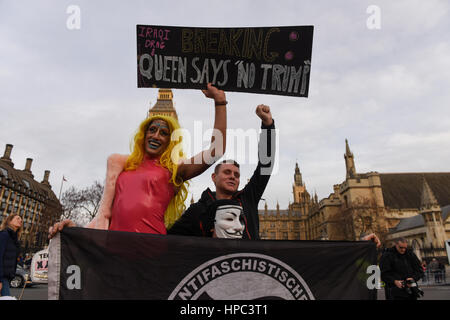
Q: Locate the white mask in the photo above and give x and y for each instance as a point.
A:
(228, 223)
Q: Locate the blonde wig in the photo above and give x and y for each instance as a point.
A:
(169, 160)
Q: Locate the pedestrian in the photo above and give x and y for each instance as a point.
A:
(400, 270)
(27, 261)
(145, 191)
(441, 272)
(424, 269)
(10, 231)
(434, 269)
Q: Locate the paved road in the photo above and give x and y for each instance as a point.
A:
(39, 292)
(35, 292)
(437, 292)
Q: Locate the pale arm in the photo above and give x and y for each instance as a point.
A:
(198, 164)
(115, 165)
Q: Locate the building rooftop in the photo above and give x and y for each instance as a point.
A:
(404, 190)
(23, 180)
(418, 221)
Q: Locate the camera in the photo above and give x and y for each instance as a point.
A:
(413, 289)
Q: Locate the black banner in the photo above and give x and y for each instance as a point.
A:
(96, 264)
(268, 60)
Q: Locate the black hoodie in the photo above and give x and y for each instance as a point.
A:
(193, 222)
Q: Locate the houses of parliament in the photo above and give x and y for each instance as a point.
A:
(412, 205)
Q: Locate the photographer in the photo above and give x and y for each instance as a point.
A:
(400, 270)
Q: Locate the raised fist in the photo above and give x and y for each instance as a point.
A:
(263, 112)
(214, 93)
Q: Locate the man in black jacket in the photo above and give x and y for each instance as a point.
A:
(400, 270)
(226, 178)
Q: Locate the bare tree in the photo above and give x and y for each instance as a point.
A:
(361, 217)
(81, 205)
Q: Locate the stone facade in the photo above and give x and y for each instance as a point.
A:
(34, 201)
(164, 105)
(289, 224)
(415, 206)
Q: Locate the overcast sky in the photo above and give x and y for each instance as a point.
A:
(69, 98)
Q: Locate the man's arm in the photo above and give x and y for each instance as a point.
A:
(266, 155)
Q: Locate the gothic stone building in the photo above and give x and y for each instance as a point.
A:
(414, 206)
(291, 223)
(34, 201)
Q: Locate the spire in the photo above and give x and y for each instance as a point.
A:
(427, 199)
(432, 214)
(349, 162)
(347, 149)
(297, 176)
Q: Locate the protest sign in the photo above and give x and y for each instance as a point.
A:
(265, 60)
(39, 267)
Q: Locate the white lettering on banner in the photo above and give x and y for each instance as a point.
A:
(74, 280)
(374, 280)
(202, 76)
(245, 75)
(167, 68)
(174, 69)
(286, 78)
(242, 276)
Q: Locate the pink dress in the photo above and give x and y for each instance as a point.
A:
(141, 199)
